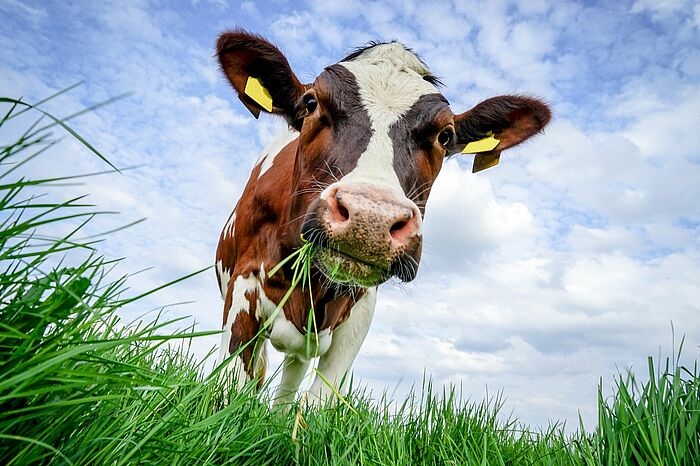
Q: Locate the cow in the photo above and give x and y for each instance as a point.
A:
(352, 175)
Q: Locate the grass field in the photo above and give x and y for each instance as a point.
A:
(80, 386)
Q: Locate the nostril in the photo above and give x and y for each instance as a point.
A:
(398, 226)
(338, 212)
(403, 227)
(343, 212)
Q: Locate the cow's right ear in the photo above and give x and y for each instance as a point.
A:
(500, 123)
(259, 71)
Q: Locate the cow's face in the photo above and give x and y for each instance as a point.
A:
(374, 131)
(373, 139)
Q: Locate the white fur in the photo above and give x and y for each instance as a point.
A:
(238, 303)
(337, 355)
(347, 340)
(230, 226)
(396, 54)
(390, 80)
(267, 157)
(263, 307)
(224, 277)
(285, 337)
(262, 274)
(293, 371)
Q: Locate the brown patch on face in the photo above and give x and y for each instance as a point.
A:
(332, 137)
(418, 154)
(430, 157)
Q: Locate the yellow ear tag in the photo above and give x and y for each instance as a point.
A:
(484, 161)
(256, 91)
(482, 145)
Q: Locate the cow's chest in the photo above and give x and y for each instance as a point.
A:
(283, 334)
(285, 337)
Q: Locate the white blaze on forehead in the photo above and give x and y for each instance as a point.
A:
(390, 81)
(267, 157)
(396, 54)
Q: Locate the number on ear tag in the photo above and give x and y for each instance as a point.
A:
(256, 91)
(482, 145)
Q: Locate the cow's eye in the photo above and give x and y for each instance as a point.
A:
(310, 103)
(445, 137)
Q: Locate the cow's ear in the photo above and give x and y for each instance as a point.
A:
(497, 124)
(261, 75)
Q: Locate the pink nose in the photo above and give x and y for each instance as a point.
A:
(371, 215)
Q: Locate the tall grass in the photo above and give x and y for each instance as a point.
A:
(655, 422)
(78, 385)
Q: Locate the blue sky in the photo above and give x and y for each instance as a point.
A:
(566, 263)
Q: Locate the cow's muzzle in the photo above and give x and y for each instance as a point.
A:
(364, 235)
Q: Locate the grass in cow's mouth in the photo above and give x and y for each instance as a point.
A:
(343, 268)
(301, 262)
(78, 385)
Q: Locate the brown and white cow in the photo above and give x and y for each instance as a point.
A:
(352, 175)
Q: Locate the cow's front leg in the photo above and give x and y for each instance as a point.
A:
(293, 371)
(335, 364)
(241, 327)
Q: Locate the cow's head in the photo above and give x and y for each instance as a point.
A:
(374, 131)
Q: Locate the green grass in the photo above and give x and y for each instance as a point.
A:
(80, 386)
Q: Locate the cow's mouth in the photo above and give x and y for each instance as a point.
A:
(341, 267)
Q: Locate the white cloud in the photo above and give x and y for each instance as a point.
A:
(439, 22)
(670, 131)
(464, 220)
(597, 240)
(607, 174)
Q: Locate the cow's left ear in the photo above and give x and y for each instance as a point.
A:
(261, 75)
(497, 124)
